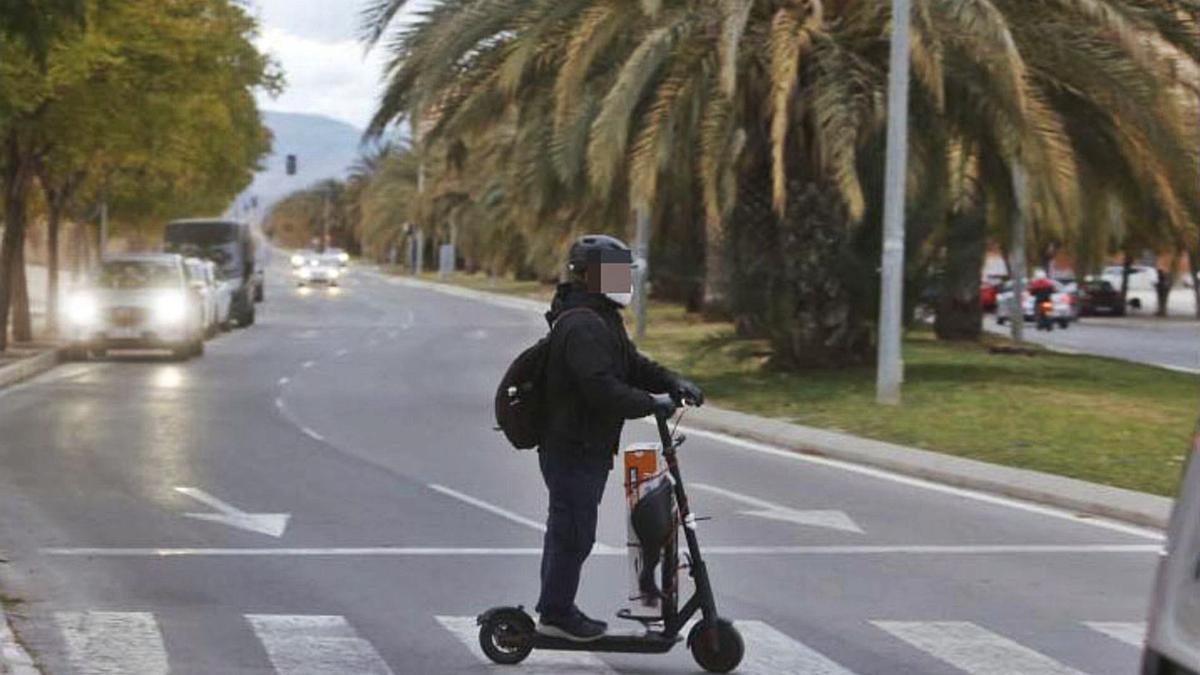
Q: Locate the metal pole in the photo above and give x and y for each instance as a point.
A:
(642, 253)
(1016, 252)
(890, 372)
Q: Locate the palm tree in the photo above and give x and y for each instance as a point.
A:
(765, 101)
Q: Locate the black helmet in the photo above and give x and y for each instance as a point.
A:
(596, 248)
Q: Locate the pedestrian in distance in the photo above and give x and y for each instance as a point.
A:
(595, 380)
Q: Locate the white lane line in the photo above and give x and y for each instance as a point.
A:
(108, 643)
(973, 649)
(489, 507)
(1131, 633)
(830, 519)
(769, 652)
(400, 551)
(12, 653)
(546, 662)
(308, 364)
(341, 352)
(923, 484)
(315, 645)
(312, 434)
(284, 380)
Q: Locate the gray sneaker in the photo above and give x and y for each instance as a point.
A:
(574, 627)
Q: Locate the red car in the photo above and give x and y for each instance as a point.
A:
(987, 295)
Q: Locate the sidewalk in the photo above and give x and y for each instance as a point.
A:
(1065, 493)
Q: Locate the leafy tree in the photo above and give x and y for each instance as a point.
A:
(149, 107)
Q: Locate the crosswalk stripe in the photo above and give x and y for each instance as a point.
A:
(1132, 633)
(973, 649)
(315, 645)
(113, 643)
(770, 652)
(550, 663)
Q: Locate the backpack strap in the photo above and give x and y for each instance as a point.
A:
(564, 315)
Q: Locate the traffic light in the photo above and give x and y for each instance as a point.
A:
(291, 165)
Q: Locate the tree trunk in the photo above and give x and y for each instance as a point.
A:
(794, 279)
(52, 228)
(22, 322)
(1194, 269)
(715, 272)
(1017, 255)
(959, 311)
(1126, 269)
(17, 182)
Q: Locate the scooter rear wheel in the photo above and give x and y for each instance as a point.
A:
(506, 637)
(719, 653)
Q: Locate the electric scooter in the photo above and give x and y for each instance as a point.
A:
(508, 635)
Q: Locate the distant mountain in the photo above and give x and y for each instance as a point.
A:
(324, 148)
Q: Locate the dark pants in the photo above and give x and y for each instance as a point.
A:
(576, 487)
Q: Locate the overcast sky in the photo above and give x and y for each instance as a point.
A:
(327, 71)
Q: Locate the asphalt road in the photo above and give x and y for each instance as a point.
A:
(365, 417)
(1169, 343)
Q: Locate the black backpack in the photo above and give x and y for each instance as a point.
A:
(520, 398)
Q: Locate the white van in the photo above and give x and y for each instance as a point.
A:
(1173, 637)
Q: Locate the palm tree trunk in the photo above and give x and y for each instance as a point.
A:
(959, 312)
(715, 272)
(54, 219)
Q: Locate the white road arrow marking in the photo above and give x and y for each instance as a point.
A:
(833, 520)
(270, 524)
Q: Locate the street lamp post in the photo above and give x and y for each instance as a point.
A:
(890, 372)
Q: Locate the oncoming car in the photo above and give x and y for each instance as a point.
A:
(136, 302)
(319, 269)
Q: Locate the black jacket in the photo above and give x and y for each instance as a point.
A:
(596, 379)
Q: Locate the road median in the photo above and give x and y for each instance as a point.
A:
(18, 365)
(1079, 433)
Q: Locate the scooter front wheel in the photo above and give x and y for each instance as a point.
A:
(506, 636)
(717, 648)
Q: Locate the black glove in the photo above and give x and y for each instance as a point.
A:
(687, 391)
(663, 405)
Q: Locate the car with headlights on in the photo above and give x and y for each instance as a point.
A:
(142, 301)
(319, 269)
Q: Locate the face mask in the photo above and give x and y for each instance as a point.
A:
(622, 299)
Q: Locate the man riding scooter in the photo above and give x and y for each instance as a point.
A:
(596, 379)
(1042, 290)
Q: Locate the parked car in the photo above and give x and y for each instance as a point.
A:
(1143, 281)
(1097, 296)
(205, 287)
(339, 255)
(1066, 307)
(1173, 633)
(987, 295)
(229, 244)
(319, 269)
(135, 302)
(224, 297)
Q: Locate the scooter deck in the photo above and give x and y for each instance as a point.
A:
(650, 642)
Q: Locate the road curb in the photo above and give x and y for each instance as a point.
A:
(1070, 494)
(29, 367)
(14, 660)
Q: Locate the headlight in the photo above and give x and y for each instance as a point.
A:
(344, 257)
(170, 307)
(82, 309)
(297, 260)
(333, 274)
